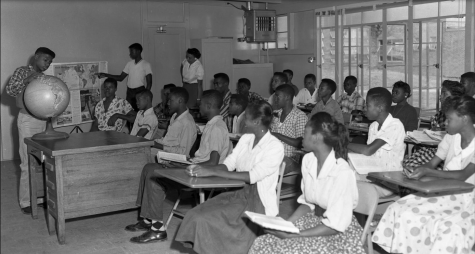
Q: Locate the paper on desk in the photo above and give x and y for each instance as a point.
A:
(365, 164)
(435, 135)
(419, 136)
(161, 155)
(271, 222)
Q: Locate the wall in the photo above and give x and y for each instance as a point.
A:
(76, 30)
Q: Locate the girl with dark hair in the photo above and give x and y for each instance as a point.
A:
(435, 224)
(425, 154)
(329, 183)
(403, 110)
(217, 226)
(192, 74)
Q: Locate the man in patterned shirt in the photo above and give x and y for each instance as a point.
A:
(244, 85)
(351, 101)
(288, 126)
(221, 84)
(109, 106)
(28, 125)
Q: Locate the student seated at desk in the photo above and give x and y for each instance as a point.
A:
(214, 147)
(278, 79)
(288, 126)
(221, 84)
(181, 134)
(440, 223)
(425, 154)
(108, 106)
(290, 76)
(243, 87)
(468, 80)
(309, 93)
(329, 182)
(403, 110)
(145, 121)
(162, 109)
(327, 104)
(217, 226)
(237, 108)
(351, 102)
(386, 134)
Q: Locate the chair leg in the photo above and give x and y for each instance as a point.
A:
(173, 210)
(370, 243)
(210, 194)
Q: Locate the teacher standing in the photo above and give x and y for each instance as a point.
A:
(192, 73)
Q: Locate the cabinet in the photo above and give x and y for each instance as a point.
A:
(216, 57)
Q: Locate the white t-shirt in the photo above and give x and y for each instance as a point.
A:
(137, 73)
(305, 97)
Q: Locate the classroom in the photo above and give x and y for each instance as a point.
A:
(213, 126)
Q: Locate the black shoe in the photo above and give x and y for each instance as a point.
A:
(139, 226)
(150, 237)
(26, 210)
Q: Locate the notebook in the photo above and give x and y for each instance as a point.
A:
(270, 222)
(180, 158)
(365, 164)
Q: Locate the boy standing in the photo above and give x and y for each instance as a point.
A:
(288, 126)
(244, 87)
(308, 94)
(28, 125)
(327, 103)
(351, 102)
(214, 147)
(237, 108)
(386, 134)
(139, 72)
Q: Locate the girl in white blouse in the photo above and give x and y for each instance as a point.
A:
(192, 74)
(327, 182)
(218, 225)
(438, 223)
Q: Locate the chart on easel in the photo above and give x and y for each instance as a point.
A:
(85, 88)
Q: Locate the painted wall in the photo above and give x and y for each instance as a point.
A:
(75, 30)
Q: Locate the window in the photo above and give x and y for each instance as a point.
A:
(282, 34)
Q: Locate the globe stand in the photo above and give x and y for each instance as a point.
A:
(50, 133)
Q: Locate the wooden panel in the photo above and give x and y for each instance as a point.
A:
(103, 179)
(165, 12)
(260, 76)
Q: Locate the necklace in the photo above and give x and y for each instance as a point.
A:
(398, 110)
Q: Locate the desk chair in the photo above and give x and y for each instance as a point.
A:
(289, 190)
(367, 202)
(279, 181)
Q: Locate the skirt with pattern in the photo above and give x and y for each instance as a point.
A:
(422, 156)
(348, 242)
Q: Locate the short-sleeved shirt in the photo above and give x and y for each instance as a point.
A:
(333, 189)
(181, 134)
(292, 127)
(331, 107)
(349, 103)
(117, 106)
(262, 161)
(224, 111)
(137, 73)
(305, 97)
(408, 116)
(392, 132)
(239, 123)
(455, 157)
(192, 72)
(215, 138)
(15, 85)
(145, 120)
(254, 97)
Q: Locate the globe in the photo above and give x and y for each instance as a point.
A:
(46, 96)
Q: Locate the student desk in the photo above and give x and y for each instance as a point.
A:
(85, 174)
(180, 176)
(428, 186)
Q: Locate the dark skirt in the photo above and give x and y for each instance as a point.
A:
(348, 242)
(192, 90)
(219, 226)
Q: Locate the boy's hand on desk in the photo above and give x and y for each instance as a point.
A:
(418, 173)
(199, 171)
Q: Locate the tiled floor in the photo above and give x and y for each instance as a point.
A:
(94, 234)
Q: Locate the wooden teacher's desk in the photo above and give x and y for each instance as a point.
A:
(85, 174)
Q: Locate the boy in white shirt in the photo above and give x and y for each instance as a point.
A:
(386, 134)
(309, 94)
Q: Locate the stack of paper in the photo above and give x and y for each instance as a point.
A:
(435, 135)
(366, 164)
(419, 136)
(161, 155)
(276, 223)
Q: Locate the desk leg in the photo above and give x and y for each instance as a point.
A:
(60, 220)
(33, 196)
(202, 196)
(409, 149)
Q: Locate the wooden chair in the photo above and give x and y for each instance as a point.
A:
(279, 181)
(367, 203)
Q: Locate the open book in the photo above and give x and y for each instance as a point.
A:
(419, 136)
(366, 164)
(276, 223)
(435, 135)
(180, 158)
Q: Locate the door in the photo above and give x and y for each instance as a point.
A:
(165, 52)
